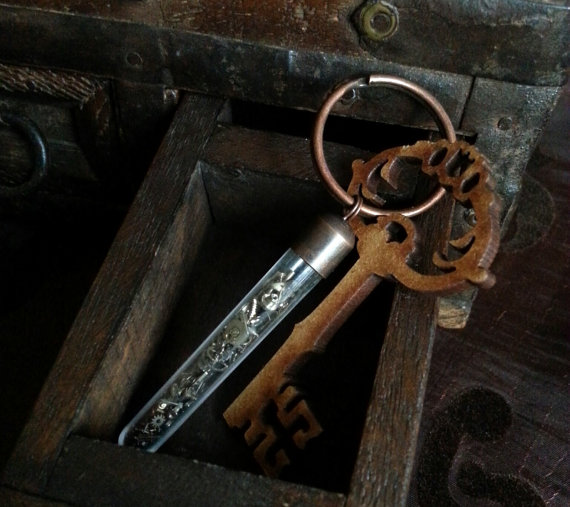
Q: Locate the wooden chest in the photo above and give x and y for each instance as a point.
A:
(229, 187)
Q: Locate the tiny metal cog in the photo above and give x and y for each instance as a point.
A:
(157, 421)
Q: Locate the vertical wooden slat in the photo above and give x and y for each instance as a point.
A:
(92, 472)
(112, 327)
(386, 455)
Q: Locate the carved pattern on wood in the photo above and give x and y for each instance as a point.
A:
(60, 85)
(484, 416)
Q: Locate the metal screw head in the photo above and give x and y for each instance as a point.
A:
(505, 123)
(349, 97)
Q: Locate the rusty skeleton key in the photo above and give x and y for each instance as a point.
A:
(384, 248)
(383, 253)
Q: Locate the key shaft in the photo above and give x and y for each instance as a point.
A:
(311, 335)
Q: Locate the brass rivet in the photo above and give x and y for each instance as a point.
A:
(378, 20)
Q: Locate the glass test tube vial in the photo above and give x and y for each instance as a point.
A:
(255, 316)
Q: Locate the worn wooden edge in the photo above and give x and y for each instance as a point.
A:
(384, 465)
(507, 133)
(385, 461)
(538, 27)
(12, 498)
(143, 327)
(154, 54)
(92, 472)
(235, 147)
(110, 307)
(59, 85)
(268, 170)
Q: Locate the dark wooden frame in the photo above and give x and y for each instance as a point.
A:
(498, 85)
(116, 332)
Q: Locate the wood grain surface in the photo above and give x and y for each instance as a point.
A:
(383, 469)
(521, 51)
(112, 328)
(495, 425)
(94, 473)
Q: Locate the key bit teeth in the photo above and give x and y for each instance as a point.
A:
(302, 435)
(271, 470)
(260, 435)
(289, 415)
(264, 440)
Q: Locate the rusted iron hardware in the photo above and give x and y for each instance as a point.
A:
(385, 247)
(31, 133)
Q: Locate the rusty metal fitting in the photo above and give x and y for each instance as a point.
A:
(377, 20)
(31, 132)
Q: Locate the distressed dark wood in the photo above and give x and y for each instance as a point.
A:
(60, 85)
(12, 498)
(155, 54)
(383, 470)
(127, 327)
(515, 40)
(266, 168)
(75, 116)
(303, 49)
(496, 412)
(233, 148)
(54, 119)
(144, 113)
(113, 333)
(509, 131)
(91, 472)
(494, 40)
(178, 58)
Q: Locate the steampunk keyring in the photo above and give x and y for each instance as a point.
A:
(424, 97)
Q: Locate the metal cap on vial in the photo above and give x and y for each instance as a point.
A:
(326, 245)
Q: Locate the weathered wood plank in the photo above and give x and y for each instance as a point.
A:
(13, 498)
(154, 54)
(91, 472)
(112, 333)
(529, 46)
(60, 85)
(495, 426)
(271, 167)
(268, 168)
(383, 471)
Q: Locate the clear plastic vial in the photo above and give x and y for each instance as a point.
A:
(291, 278)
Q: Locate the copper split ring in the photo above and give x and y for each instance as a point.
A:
(425, 98)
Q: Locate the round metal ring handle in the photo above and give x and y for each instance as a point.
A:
(32, 133)
(425, 98)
